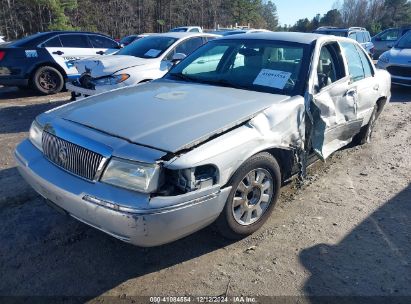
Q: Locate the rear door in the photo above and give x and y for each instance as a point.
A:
(363, 83)
(69, 48)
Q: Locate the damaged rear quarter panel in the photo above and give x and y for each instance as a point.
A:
(279, 126)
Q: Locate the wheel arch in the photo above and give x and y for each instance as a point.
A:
(43, 64)
(380, 104)
(284, 157)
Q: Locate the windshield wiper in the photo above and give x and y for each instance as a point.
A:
(183, 77)
(224, 83)
(218, 82)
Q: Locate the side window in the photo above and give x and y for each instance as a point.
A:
(100, 42)
(189, 46)
(367, 36)
(194, 30)
(389, 35)
(329, 66)
(365, 63)
(54, 42)
(75, 41)
(361, 37)
(352, 35)
(354, 61)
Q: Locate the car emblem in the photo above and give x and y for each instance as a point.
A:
(63, 154)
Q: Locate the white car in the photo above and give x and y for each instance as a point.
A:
(141, 61)
(188, 29)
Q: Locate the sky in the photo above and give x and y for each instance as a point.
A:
(289, 11)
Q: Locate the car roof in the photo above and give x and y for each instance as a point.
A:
(180, 35)
(35, 39)
(304, 38)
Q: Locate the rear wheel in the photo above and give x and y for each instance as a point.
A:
(48, 80)
(255, 188)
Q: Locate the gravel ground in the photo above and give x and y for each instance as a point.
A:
(346, 232)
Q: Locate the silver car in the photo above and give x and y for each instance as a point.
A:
(212, 141)
(397, 61)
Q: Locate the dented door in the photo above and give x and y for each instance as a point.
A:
(334, 103)
(335, 118)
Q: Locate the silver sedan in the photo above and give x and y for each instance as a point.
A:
(397, 61)
(212, 141)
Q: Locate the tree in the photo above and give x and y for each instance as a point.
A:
(302, 25)
(332, 18)
(269, 13)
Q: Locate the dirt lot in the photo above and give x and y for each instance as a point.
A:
(347, 232)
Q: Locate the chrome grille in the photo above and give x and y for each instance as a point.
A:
(71, 157)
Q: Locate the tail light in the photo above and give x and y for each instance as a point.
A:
(2, 54)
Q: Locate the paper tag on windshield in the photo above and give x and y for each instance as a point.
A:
(272, 78)
(152, 53)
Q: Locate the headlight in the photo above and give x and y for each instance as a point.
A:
(384, 58)
(111, 80)
(36, 135)
(132, 175)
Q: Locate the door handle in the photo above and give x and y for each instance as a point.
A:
(58, 52)
(100, 53)
(351, 92)
(376, 87)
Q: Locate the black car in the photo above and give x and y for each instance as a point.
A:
(44, 61)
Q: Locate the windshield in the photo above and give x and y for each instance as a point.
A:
(335, 33)
(404, 42)
(256, 65)
(149, 47)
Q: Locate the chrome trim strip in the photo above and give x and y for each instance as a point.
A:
(116, 207)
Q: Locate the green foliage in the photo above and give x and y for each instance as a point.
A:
(122, 17)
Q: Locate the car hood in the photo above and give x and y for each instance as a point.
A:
(167, 115)
(109, 64)
(400, 56)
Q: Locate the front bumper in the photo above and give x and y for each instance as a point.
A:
(99, 205)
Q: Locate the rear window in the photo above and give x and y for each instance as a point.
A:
(179, 29)
(335, 33)
(54, 42)
(31, 41)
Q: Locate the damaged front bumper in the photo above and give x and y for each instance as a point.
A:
(129, 216)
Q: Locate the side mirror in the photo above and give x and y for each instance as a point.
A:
(377, 39)
(120, 46)
(390, 45)
(177, 57)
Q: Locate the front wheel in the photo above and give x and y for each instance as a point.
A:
(254, 193)
(48, 80)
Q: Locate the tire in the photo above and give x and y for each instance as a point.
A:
(365, 134)
(251, 200)
(47, 80)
